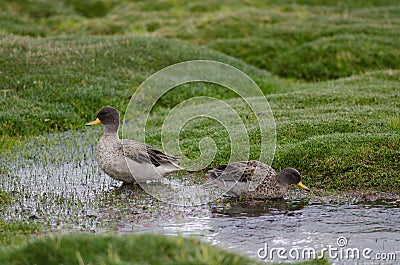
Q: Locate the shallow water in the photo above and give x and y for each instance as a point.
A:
(311, 227)
(55, 180)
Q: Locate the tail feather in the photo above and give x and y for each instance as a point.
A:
(216, 171)
(169, 168)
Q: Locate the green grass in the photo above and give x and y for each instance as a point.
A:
(330, 71)
(59, 83)
(342, 135)
(310, 40)
(132, 249)
(16, 232)
(4, 198)
(62, 94)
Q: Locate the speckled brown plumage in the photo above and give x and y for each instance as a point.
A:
(127, 160)
(253, 179)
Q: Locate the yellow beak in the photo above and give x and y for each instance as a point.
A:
(301, 185)
(96, 121)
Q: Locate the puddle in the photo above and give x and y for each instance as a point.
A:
(55, 180)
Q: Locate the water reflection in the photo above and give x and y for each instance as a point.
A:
(244, 228)
(233, 208)
(56, 181)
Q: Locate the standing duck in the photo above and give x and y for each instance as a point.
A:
(129, 160)
(254, 180)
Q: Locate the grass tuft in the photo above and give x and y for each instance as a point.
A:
(16, 232)
(330, 71)
(133, 249)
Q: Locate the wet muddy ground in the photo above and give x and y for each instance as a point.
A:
(54, 180)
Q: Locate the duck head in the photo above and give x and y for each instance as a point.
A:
(108, 116)
(289, 176)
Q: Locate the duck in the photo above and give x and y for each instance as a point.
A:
(254, 180)
(128, 160)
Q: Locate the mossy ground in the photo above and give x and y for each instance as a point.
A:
(63, 60)
(310, 40)
(132, 249)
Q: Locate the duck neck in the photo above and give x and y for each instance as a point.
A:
(111, 130)
(282, 178)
